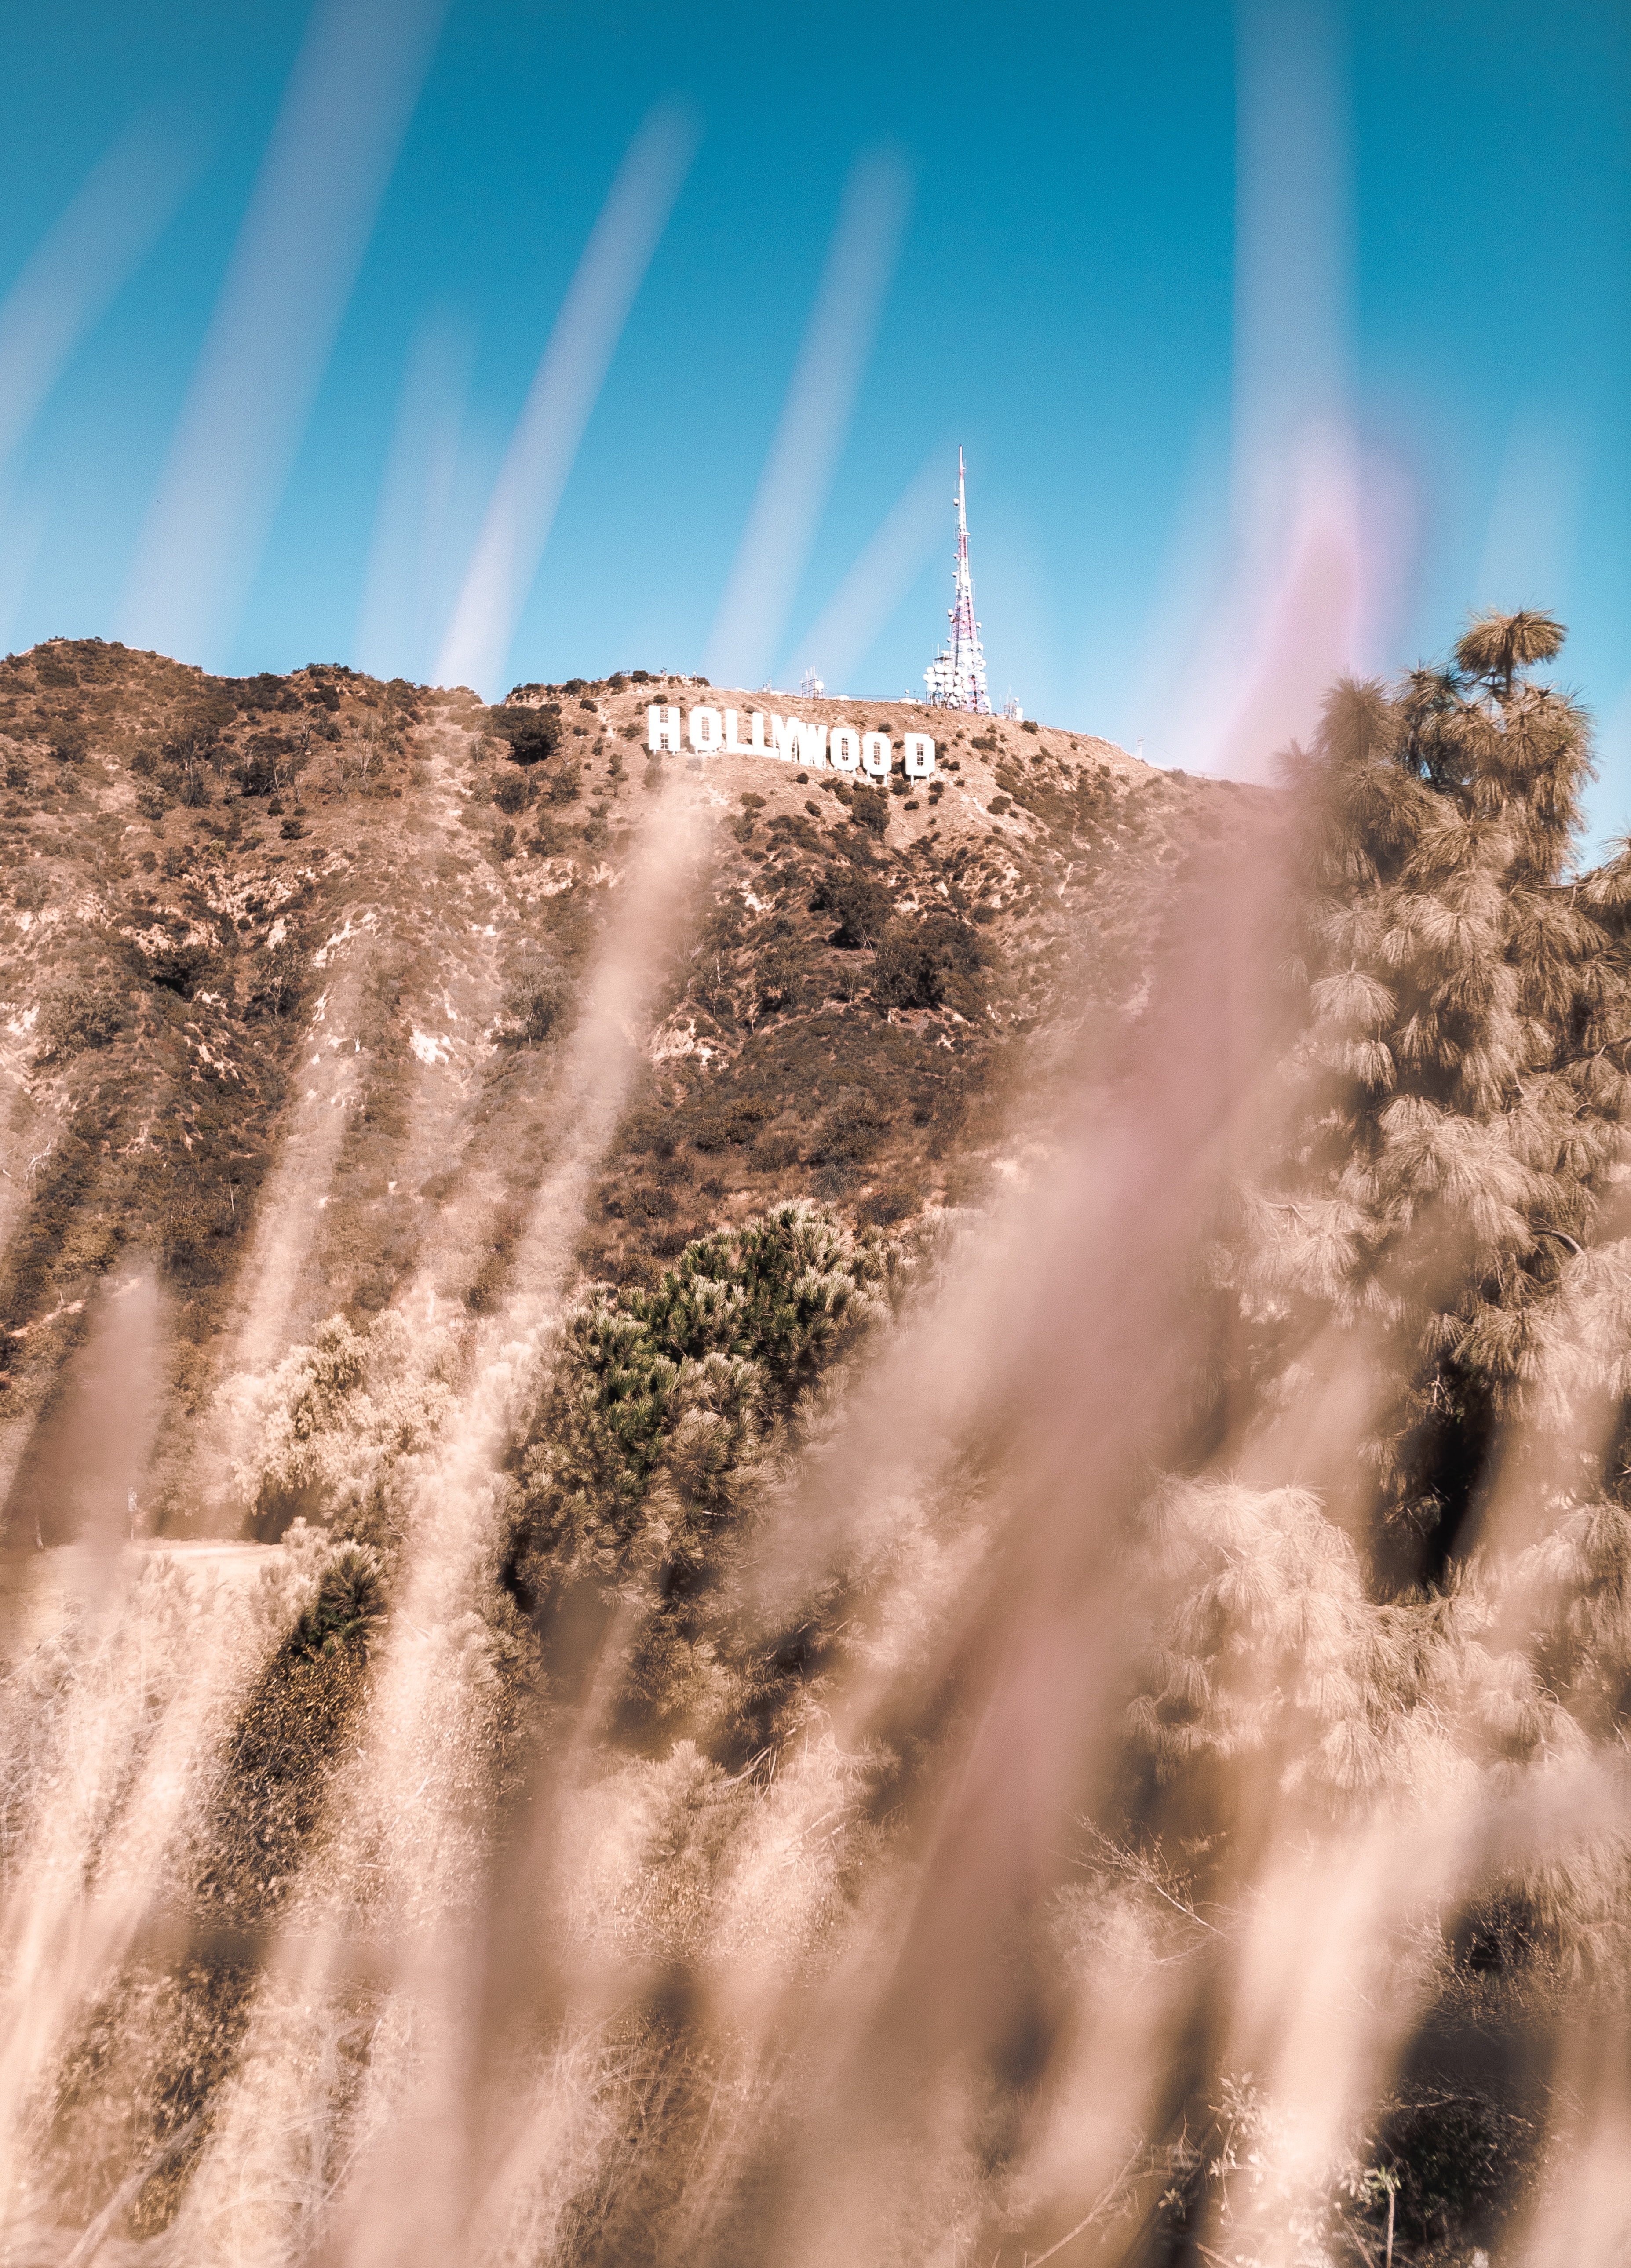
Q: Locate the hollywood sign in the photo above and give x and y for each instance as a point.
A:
(791, 741)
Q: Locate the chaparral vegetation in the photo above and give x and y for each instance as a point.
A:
(748, 1520)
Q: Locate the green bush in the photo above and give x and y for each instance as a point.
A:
(853, 1131)
(926, 964)
(177, 967)
(776, 981)
(83, 1016)
(276, 990)
(533, 734)
(349, 1603)
(647, 1132)
(862, 907)
(1456, 2160)
(906, 974)
(869, 807)
(775, 1151)
(682, 1380)
(533, 1002)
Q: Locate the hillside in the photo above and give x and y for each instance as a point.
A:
(755, 1517)
(292, 957)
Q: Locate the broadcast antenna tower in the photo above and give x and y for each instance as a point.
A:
(956, 676)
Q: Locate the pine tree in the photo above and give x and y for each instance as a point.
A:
(1457, 1075)
(1443, 1202)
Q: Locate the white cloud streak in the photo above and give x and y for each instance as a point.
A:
(563, 391)
(844, 632)
(1307, 578)
(82, 264)
(332, 151)
(402, 604)
(1293, 234)
(792, 489)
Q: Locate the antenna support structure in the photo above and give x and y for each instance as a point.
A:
(955, 678)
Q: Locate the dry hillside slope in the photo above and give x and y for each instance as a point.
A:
(809, 1523)
(288, 959)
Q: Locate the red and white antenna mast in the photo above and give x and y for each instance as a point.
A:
(955, 678)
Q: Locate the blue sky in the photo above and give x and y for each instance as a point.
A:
(1219, 302)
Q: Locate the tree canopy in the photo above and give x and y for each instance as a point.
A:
(1445, 1175)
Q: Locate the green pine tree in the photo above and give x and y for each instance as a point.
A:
(1458, 1074)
